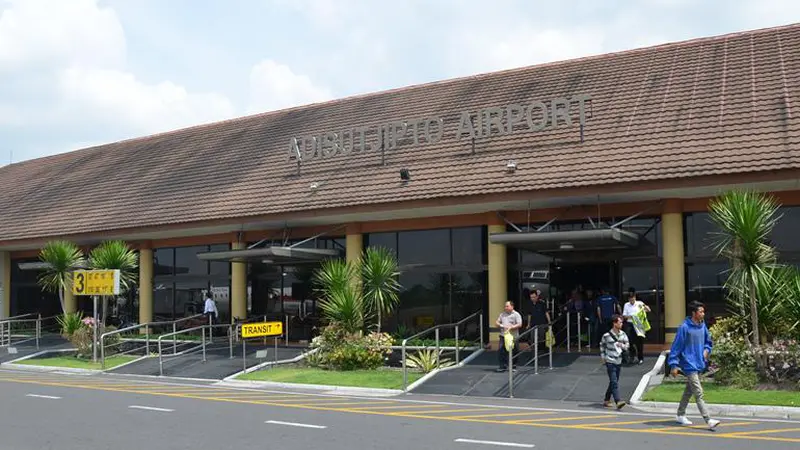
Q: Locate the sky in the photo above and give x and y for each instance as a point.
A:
(78, 73)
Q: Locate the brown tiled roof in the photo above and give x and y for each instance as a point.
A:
(721, 105)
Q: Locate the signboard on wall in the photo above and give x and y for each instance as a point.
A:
(95, 282)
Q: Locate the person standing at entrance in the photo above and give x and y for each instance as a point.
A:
(539, 316)
(607, 306)
(612, 345)
(509, 322)
(210, 309)
(635, 327)
(689, 353)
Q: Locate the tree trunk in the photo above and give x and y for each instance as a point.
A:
(754, 316)
(105, 310)
(61, 300)
(379, 320)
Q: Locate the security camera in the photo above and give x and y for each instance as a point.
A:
(511, 166)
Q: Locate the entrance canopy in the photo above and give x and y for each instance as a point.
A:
(289, 256)
(590, 243)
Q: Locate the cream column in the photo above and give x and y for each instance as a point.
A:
(498, 281)
(70, 302)
(145, 285)
(354, 243)
(5, 284)
(238, 285)
(674, 268)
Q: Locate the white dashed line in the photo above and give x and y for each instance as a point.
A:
(150, 408)
(502, 444)
(293, 424)
(51, 397)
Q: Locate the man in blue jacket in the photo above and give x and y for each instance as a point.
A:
(689, 354)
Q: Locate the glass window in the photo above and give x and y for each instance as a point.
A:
(189, 297)
(427, 247)
(468, 245)
(705, 283)
(784, 235)
(187, 262)
(423, 299)
(220, 268)
(162, 301)
(163, 261)
(468, 291)
(699, 235)
(387, 240)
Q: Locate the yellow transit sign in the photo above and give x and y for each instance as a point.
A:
(95, 282)
(261, 329)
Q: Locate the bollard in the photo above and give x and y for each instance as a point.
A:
(536, 351)
(244, 354)
(204, 344)
(230, 339)
(405, 372)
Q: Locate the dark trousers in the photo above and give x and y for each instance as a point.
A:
(502, 354)
(613, 381)
(636, 341)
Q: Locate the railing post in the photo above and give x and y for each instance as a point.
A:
(457, 344)
(286, 327)
(244, 354)
(552, 342)
(38, 330)
(210, 329)
(275, 339)
(569, 334)
(536, 351)
(580, 341)
(160, 359)
(102, 353)
(510, 370)
(265, 338)
(480, 327)
(405, 369)
(436, 333)
(204, 344)
(230, 339)
(147, 339)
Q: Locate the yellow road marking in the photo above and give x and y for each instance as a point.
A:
(531, 413)
(401, 406)
(491, 422)
(632, 422)
(555, 419)
(776, 430)
(448, 411)
(704, 427)
(376, 403)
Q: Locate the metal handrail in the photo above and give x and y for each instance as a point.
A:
(532, 330)
(203, 344)
(146, 326)
(436, 329)
(5, 329)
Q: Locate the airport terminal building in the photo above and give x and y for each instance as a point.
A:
(592, 172)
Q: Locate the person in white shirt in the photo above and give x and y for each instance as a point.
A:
(633, 307)
(210, 309)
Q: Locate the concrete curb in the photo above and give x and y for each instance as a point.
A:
(269, 363)
(650, 379)
(312, 387)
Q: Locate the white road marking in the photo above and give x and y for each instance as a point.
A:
(502, 444)
(150, 408)
(293, 424)
(44, 396)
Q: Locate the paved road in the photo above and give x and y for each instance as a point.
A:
(62, 411)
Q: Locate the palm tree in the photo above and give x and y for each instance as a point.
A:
(341, 302)
(115, 255)
(379, 278)
(352, 292)
(746, 219)
(61, 258)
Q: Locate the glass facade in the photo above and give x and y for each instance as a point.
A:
(26, 295)
(443, 274)
(181, 279)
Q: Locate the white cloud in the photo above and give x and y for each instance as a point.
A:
(275, 86)
(51, 32)
(145, 108)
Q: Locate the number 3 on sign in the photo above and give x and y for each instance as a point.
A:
(80, 283)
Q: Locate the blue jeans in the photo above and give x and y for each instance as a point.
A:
(613, 381)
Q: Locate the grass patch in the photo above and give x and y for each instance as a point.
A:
(76, 363)
(714, 393)
(383, 379)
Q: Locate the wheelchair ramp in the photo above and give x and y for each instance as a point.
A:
(575, 377)
(28, 347)
(217, 366)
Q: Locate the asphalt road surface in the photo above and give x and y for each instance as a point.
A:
(87, 412)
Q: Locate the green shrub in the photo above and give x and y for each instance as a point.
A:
(341, 350)
(731, 357)
(426, 360)
(82, 340)
(69, 323)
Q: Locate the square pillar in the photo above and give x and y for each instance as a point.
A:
(70, 301)
(674, 269)
(5, 285)
(238, 286)
(498, 281)
(354, 243)
(145, 285)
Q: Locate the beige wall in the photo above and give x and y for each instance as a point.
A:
(498, 281)
(238, 286)
(674, 273)
(5, 284)
(145, 285)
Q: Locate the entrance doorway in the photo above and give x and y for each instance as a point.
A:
(591, 276)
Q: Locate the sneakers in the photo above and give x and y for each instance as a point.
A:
(621, 405)
(607, 403)
(683, 420)
(712, 423)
